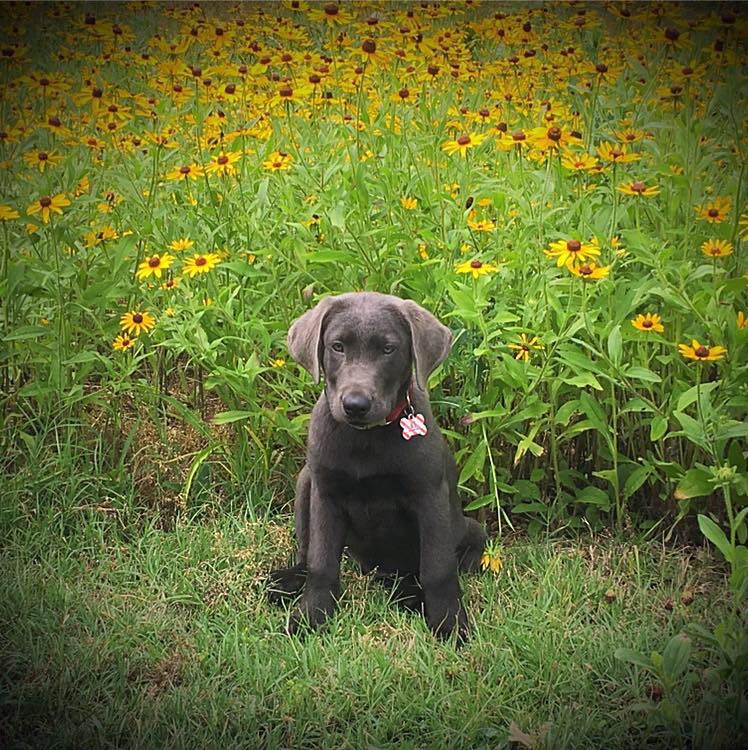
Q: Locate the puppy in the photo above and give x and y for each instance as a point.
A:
(379, 479)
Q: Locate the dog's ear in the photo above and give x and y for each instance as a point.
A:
(305, 337)
(431, 340)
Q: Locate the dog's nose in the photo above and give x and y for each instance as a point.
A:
(356, 404)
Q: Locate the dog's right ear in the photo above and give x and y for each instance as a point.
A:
(305, 337)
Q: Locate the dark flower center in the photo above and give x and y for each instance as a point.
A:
(154, 262)
(200, 261)
(476, 264)
(403, 93)
(554, 134)
(331, 9)
(702, 352)
(45, 202)
(230, 88)
(369, 46)
(222, 159)
(54, 122)
(573, 246)
(714, 250)
(647, 323)
(713, 213)
(463, 140)
(638, 186)
(672, 34)
(518, 135)
(137, 318)
(184, 170)
(585, 270)
(616, 153)
(286, 91)
(43, 156)
(601, 68)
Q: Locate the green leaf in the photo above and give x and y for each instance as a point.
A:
(657, 428)
(596, 415)
(479, 502)
(695, 483)
(594, 496)
(615, 344)
(636, 479)
(676, 655)
(584, 379)
(473, 467)
(633, 657)
(225, 417)
(690, 396)
(716, 536)
(642, 373)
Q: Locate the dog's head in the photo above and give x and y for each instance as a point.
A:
(368, 344)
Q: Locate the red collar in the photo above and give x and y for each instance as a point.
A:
(398, 410)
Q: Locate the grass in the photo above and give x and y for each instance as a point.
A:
(116, 636)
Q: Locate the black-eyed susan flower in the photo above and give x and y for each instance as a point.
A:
(170, 284)
(648, 322)
(332, 14)
(570, 252)
(186, 172)
(122, 343)
(717, 248)
(589, 271)
(223, 163)
(154, 265)
(42, 159)
(200, 263)
(476, 268)
(46, 205)
(480, 225)
(278, 161)
(135, 322)
(182, 244)
(699, 352)
(491, 561)
(553, 138)
(638, 188)
(463, 143)
(105, 234)
(7, 213)
(525, 347)
(716, 211)
(578, 162)
(616, 153)
(743, 223)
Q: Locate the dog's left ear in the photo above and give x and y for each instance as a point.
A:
(305, 335)
(431, 340)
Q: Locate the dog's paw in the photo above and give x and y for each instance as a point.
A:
(452, 624)
(284, 584)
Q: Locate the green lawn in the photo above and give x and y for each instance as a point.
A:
(119, 634)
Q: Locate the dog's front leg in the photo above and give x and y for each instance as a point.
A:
(327, 530)
(438, 567)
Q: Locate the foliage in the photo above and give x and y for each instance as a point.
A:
(176, 189)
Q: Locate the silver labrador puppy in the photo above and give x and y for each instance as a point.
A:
(379, 478)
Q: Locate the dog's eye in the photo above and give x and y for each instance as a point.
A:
(337, 346)
(389, 348)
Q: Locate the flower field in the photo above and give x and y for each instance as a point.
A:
(563, 186)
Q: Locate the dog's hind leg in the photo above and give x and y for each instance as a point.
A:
(471, 546)
(287, 583)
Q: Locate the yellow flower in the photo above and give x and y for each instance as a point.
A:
(155, 265)
(463, 143)
(170, 284)
(491, 562)
(648, 322)
(46, 205)
(700, 352)
(590, 271)
(41, 159)
(480, 225)
(201, 263)
(637, 187)
(408, 203)
(223, 163)
(743, 225)
(570, 252)
(741, 321)
(422, 251)
(616, 153)
(277, 161)
(716, 211)
(525, 346)
(183, 244)
(135, 322)
(716, 248)
(578, 162)
(185, 172)
(103, 235)
(122, 343)
(279, 362)
(7, 213)
(551, 138)
(476, 268)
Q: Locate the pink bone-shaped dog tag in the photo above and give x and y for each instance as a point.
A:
(412, 426)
